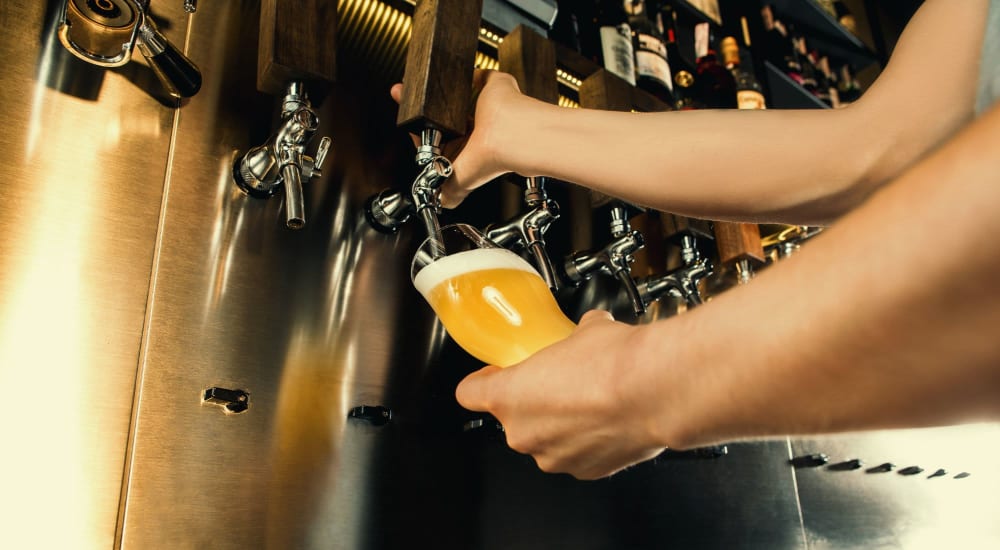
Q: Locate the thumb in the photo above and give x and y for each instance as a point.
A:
(396, 92)
(595, 316)
(475, 391)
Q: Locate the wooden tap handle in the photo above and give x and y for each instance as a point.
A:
(437, 81)
(531, 59)
(297, 42)
(738, 241)
(605, 91)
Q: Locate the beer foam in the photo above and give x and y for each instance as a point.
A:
(467, 262)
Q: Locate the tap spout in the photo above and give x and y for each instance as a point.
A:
(528, 230)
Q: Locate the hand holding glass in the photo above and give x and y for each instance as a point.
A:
(491, 301)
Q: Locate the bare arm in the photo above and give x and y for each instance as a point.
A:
(891, 318)
(792, 166)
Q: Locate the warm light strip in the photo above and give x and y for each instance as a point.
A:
(388, 29)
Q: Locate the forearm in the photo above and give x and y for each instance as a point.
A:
(767, 165)
(802, 167)
(889, 319)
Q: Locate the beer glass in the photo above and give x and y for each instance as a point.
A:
(491, 301)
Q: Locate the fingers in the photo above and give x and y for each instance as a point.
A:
(475, 391)
(396, 92)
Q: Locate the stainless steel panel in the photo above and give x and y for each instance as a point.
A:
(308, 322)
(855, 509)
(85, 152)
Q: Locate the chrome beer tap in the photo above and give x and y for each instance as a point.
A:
(681, 282)
(106, 32)
(615, 258)
(528, 229)
(281, 162)
(390, 209)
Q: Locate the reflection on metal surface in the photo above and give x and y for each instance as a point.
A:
(79, 223)
(857, 509)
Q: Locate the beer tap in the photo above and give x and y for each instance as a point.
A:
(615, 258)
(294, 51)
(105, 34)
(281, 162)
(528, 229)
(740, 247)
(681, 282)
(531, 59)
(389, 210)
(435, 104)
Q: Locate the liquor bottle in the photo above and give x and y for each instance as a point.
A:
(749, 94)
(609, 42)
(652, 67)
(716, 85)
(683, 71)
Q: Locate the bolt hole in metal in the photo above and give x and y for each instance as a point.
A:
(231, 401)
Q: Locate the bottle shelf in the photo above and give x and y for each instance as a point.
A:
(825, 33)
(787, 93)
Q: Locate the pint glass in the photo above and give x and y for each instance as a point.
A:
(491, 301)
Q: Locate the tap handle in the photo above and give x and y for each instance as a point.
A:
(738, 243)
(179, 75)
(439, 64)
(297, 41)
(531, 59)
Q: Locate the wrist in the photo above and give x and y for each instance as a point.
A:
(518, 136)
(672, 357)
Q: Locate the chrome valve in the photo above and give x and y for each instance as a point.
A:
(105, 33)
(389, 210)
(681, 282)
(615, 259)
(527, 230)
(281, 162)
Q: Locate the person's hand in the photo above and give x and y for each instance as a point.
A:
(476, 158)
(580, 406)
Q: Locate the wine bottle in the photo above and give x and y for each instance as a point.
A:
(614, 49)
(749, 94)
(652, 67)
(682, 71)
(716, 85)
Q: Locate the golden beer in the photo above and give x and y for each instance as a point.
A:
(493, 304)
